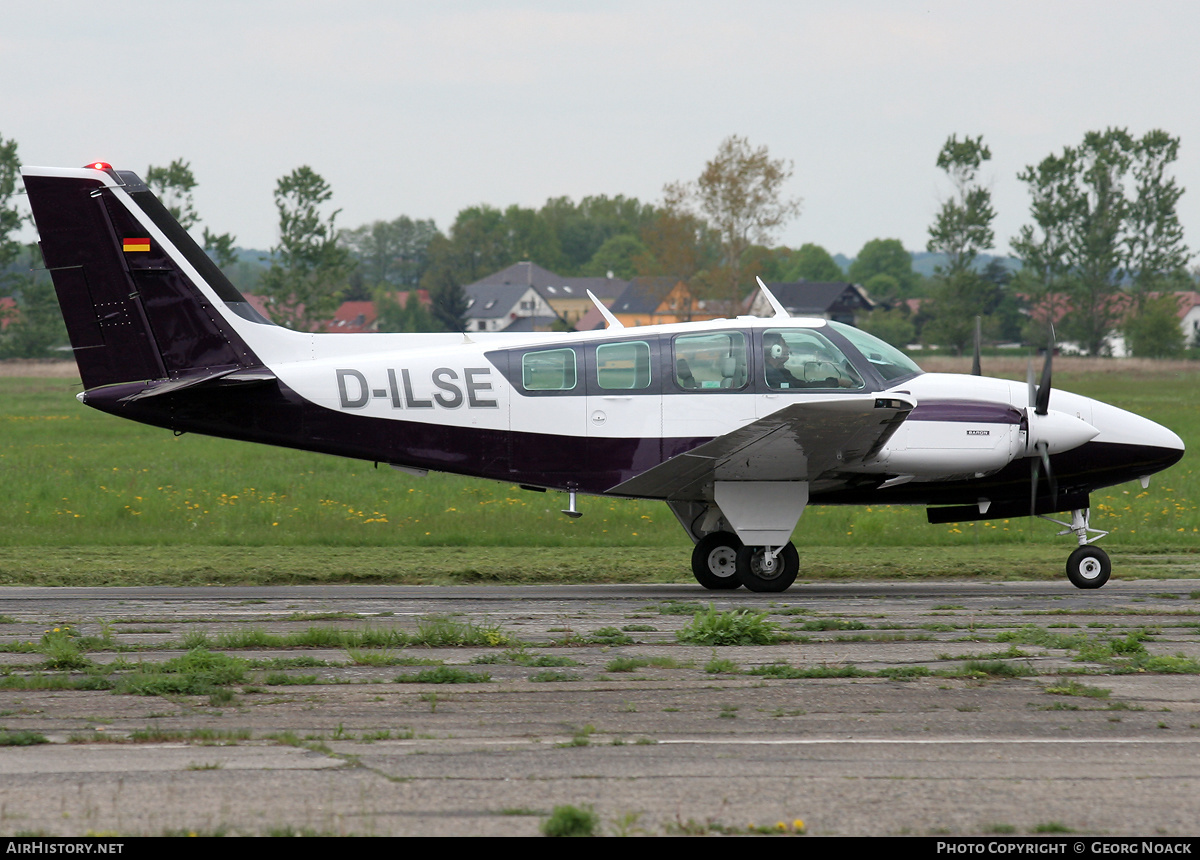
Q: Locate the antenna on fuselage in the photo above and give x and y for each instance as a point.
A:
(612, 321)
(780, 311)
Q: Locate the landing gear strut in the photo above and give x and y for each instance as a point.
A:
(1088, 566)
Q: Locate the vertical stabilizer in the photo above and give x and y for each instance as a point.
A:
(133, 312)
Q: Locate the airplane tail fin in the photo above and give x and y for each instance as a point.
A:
(128, 279)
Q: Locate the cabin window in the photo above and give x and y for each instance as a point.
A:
(548, 370)
(623, 366)
(802, 358)
(713, 361)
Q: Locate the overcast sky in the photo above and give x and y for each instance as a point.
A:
(422, 109)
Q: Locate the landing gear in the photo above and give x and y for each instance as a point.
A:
(759, 569)
(1088, 567)
(714, 561)
(761, 513)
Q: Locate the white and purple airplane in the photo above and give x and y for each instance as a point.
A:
(737, 424)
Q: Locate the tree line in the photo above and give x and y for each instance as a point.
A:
(1103, 250)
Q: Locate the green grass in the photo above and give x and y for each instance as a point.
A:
(97, 500)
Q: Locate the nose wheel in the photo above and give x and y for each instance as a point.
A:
(1088, 566)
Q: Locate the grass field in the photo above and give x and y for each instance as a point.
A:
(84, 491)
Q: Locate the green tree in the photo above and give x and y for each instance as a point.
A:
(483, 240)
(309, 269)
(1104, 218)
(173, 185)
(220, 246)
(894, 325)
(35, 325)
(886, 257)
(391, 254)
(678, 244)
(11, 218)
(581, 229)
(740, 194)
(451, 267)
(813, 263)
(412, 315)
(36, 328)
(1044, 277)
(619, 254)
(962, 229)
(1158, 256)
(1154, 331)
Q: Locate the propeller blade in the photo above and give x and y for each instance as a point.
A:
(1043, 392)
(1032, 384)
(1033, 482)
(1044, 451)
(976, 368)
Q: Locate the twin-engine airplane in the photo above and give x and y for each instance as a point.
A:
(737, 424)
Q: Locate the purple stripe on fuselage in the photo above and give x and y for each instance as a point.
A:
(965, 411)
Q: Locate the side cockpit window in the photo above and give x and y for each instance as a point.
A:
(802, 358)
(713, 361)
(549, 370)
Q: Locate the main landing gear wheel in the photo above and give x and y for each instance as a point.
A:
(759, 574)
(714, 561)
(1088, 567)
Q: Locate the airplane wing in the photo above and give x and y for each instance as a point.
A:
(800, 442)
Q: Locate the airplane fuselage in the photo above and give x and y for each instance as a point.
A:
(460, 404)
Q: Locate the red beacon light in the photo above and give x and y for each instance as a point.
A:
(107, 168)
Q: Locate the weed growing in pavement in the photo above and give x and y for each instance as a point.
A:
(439, 632)
(21, 738)
(444, 675)
(568, 820)
(732, 627)
(1074, 688)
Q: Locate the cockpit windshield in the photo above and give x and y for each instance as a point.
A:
(889, 362)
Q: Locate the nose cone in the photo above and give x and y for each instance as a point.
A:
(1124, 428)
(1152, 446)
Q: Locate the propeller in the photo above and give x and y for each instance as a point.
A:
(976, 367)
(1039, 402)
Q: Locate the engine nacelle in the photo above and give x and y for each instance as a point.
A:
(929, 450)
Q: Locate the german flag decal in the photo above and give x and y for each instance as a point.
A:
(133, 245)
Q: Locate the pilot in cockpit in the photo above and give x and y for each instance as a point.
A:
(775, 357)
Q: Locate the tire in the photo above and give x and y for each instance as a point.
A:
(751, 570)
(1088, 567)
(714, 561)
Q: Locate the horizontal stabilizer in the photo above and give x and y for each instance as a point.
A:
(221, 378)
